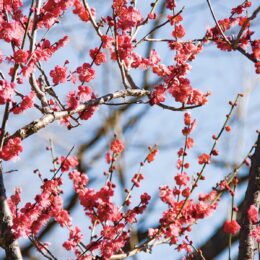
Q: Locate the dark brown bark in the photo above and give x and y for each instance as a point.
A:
(252, 197)
(10, 245)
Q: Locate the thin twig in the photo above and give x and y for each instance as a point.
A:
(241, 50)
(157, 27)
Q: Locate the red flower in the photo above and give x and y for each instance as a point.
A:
(186, 192)
(151, 155)
(158, 95)
(170, 4)
(129, 17)
(189, 142)
(228, 128)
(187, 118)
(72, 100)
(88, 112)
(67, 163)
(231, 227)
(182, 178)
(204, 158)
(125, 47)
(26, 103)
(190, 125)
(179, 31)
(84, 94)
(86, 73)
(253, 214)
(59, 75)
(117, 146)
(108, 157)
(6, 91)
(97, 56)
(12, 149)
(74, 239)
(257, 67)
(21, 56)
(154, 58)
(81, 12)
(145, 197)
(256, 49)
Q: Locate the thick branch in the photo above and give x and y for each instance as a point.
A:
(7, 241)
(47, 119)
(252, 197)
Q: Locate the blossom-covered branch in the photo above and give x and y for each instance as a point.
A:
(66, 92)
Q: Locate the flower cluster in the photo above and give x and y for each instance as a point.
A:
(68, 162)
(58, 75)
(85, 73)
(224, 41)
(231, 227)
(30, 219)
(97, 56)
(81, 12)
(51, 11)
(75, 98)
(26, 103)
(117, 146)
(11, 149)
(100, 208)
(254, 219)
(6, 91)
(183, 211)
(43, 52)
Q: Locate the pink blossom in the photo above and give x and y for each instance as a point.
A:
(117, 146)
(204, 158)
(231, 227)
(59, 75)
(253, 214)
(158, 95)
(27, 102)
(21, 56)
(67, 163)
(6, 91)
(85, 73)
(97, 56)
(11, 149)
(256, 233)
(182, 179)
(81, 12)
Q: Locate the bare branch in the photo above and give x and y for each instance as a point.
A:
(158, 27)
(92, 20)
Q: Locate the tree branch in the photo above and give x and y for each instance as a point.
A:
(233, 46)
(252, 197)
(47, 119)
(11, 246)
